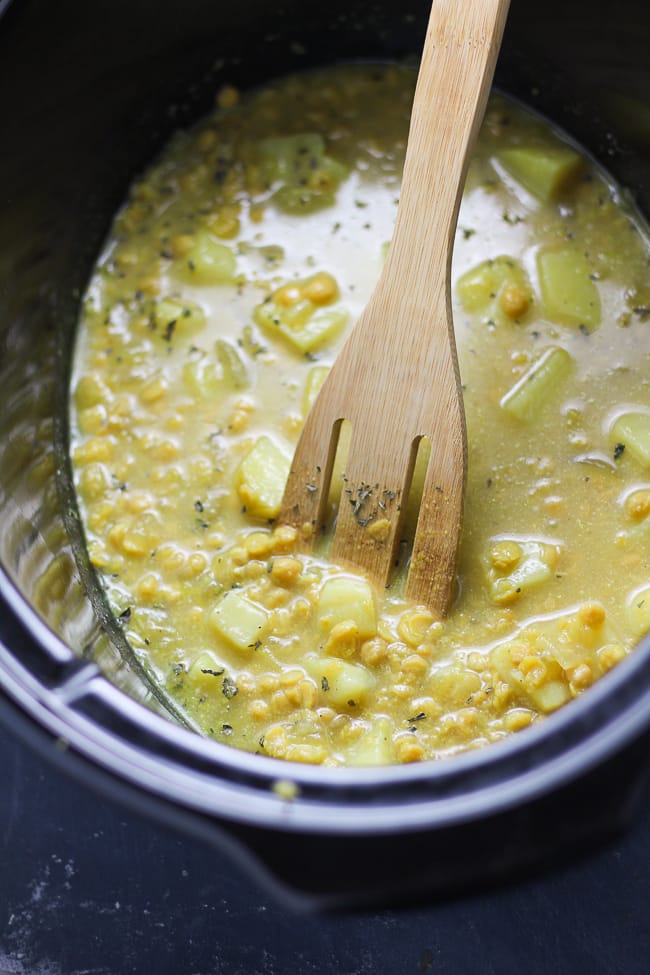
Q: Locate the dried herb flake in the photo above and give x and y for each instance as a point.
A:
(229, 689)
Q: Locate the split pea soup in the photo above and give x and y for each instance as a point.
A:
(225, 289)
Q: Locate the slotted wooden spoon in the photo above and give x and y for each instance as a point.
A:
(396, 379)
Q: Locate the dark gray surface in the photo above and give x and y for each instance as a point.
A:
(89, 889)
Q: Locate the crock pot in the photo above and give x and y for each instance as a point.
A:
(88, 94)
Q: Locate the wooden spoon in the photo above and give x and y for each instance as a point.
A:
(396, 379)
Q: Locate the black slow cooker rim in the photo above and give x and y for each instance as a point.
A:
(69, 698)
(86, 714)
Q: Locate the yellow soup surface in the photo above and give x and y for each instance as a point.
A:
(226, 287)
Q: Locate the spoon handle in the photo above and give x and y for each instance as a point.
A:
(458, 60)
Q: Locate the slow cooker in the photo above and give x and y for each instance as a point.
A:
(88, 95)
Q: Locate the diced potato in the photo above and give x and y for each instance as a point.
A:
(376, 746)
(569, 294)
(344, 598)
(497, 289)
(233, 369)
(207, 262)
(289, 157)
(478, 287)
(538, 385)
(205, 670)
(501, 658)
(323, 327)
(261, 478)
(207, 376)
(452, 686)
(545, 171)
(532, 565)
(547, 692)
(202, 377)
(633, 431)
(341, 682)
(574, 638)
(240, 621)
(551, 696)
(174, 318)
(305, 326)
(540, 662)
(315, 379)
(637, 611)
(301, 200)
(310, 177)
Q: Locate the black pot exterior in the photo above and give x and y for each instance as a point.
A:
(88, 93)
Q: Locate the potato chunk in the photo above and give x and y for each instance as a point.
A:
(632, 430)
(515, 565)
(545, 171)
(315, 379)
(342, 683)
(551, 658)
(345, 598)
(201, 376)
(204, 670)
(207, 261)
(375, 747)
(303, 313)
(261, 478)
(574, 637)
(537, 386)
(525, 668)
(175, 318)
(569, 294)
(308, 177)
(498, 290)
(239, 620)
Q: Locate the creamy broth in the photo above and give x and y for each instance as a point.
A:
(224, 292)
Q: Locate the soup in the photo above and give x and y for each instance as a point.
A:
(223, 294)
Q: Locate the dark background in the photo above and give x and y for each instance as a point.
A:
(89, 888)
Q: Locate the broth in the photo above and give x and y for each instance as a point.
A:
(224, 292)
